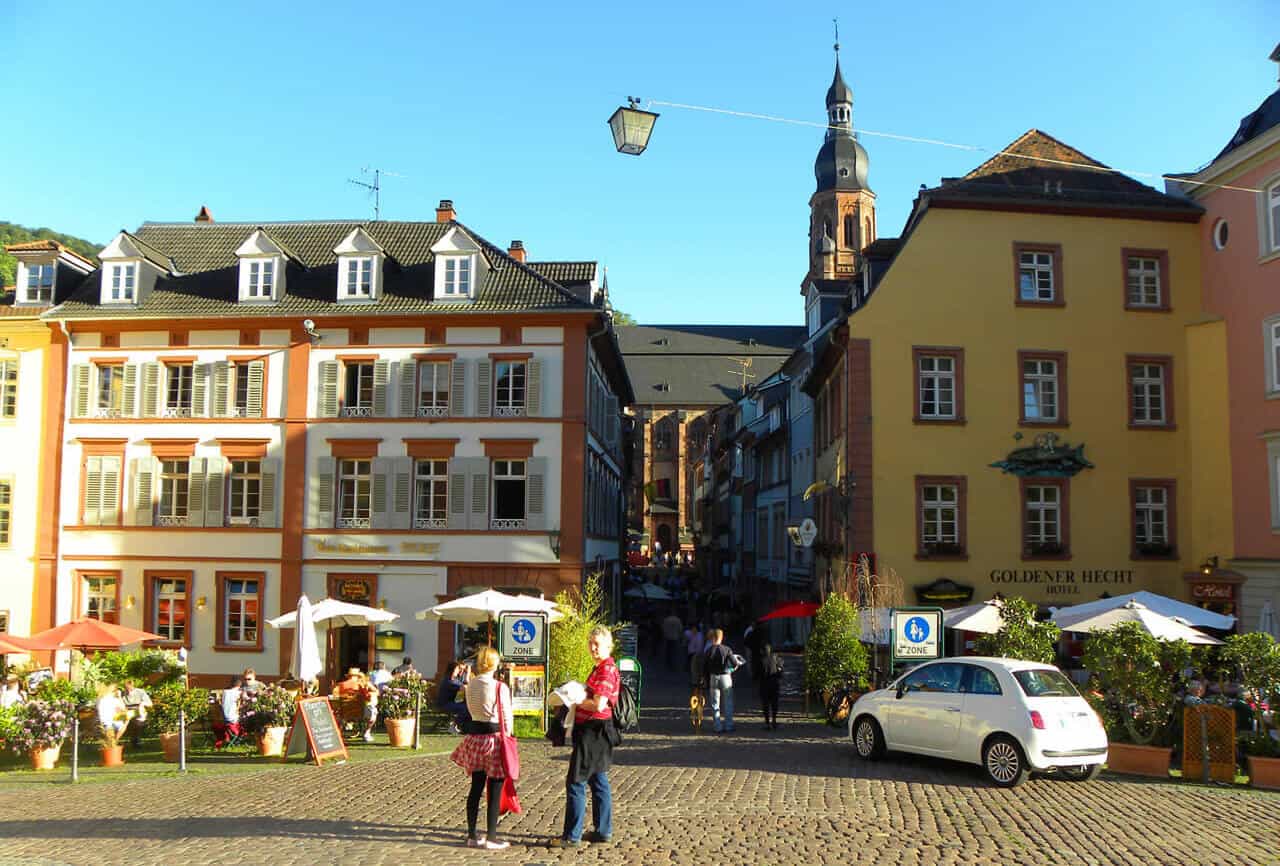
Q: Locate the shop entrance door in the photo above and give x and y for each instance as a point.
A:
(350, 646)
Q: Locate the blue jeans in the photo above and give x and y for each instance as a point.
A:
(722, 701)
(576, 806)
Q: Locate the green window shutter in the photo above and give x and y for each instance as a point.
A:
(221, 403)
(533, 387)
(215, 514)
(129, 391)
(458, 467)
(458, 389)
(196, 492)
(200, 391)
(535, 504)
(327, 404)
(110, 510)
(479, 518)
(383, 470)
(143, 491)
(381, 383)
(92, 491)
(150, 390)
(402, 518)
(80, 390)
(322, 493)
(484, 387)
(256, 370)
(267, 496)
(408, 388)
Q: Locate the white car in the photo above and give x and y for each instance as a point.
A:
(1010, 717)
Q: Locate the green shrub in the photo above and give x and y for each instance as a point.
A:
(171, 698)
(143, 666)
(65, 691)
(1255, 659)
(1136, 676)
(1020, 636)
(569, 657)
(834, 654)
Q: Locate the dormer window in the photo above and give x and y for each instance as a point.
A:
(460, 267)
(124, 278)
(39, 283)
(262, 268)
(359, 281)
(261, 278)
(360, 260)
(457, 276)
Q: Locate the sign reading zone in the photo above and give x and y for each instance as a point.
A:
(522, 637)
(917, 633)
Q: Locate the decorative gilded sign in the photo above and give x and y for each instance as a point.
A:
(353, 590)
(329, 545)
(430, 548)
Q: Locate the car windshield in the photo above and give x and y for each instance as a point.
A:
(1045, 683)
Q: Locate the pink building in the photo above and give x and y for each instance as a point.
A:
(1240, 191)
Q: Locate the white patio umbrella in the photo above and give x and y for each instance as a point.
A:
(650, 591)
(1159, 626)
(306, 664)
(873, 623)
(1267, 620)
(473, 610)
(336, 612)
(983, 617)
(1161, 604)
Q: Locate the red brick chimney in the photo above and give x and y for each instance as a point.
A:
(516, 251)
(204, 216)
(445, 212)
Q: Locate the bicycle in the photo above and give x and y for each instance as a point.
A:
(843, 698)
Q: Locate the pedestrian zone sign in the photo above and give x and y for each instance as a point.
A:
(917, 633)
(522, 637)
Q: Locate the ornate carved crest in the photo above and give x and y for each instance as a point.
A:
(1047, 457)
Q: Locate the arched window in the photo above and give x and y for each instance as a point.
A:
(868, 231)
(849, 229)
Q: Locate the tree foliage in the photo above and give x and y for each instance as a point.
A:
(584, 609)
(834, 653)
(1255, 657)
(621, 318)
(1136, 676)
(11, 233)
(1020, 636)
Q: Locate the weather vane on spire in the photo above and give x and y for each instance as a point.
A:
(836, 23)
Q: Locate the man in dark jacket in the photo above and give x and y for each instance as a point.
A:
(720, 664)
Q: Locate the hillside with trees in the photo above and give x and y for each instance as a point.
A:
(10, 233)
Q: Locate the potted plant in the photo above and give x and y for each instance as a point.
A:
(1134, 676)
(40, 728)
(1256, 659)
(834, 656)
(398, 705)
(168, 703)
(1020, 636)
(268, 712)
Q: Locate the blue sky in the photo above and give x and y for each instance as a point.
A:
(117, 115)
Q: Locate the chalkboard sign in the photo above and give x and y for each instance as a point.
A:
(626, 640)
(315, 732)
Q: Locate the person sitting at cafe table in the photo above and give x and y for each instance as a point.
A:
(405, 667)
(230, 725)
(12, 694)
(112, 713)
(250, 681)
(447, 696)
(380, 676)
(138, 702)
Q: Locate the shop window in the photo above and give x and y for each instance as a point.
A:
(240, 610)
(355, 499)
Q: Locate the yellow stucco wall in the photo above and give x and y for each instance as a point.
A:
(953, 285)
(1211, 524)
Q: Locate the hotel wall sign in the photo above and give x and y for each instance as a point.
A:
(1062, 581)
(354, 590)
(1213, 592)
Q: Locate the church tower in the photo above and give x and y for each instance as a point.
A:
(842, 210)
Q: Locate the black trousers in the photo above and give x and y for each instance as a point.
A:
(478, 779)
(769, 700)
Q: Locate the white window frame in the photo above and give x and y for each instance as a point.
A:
(359, 277)
(111, 375)
(173, 590)
(1146, 386)
(1151, 509)
(174, 377)
(459, 276)
(1037, 266)
(92, 588)
(1271, 336)
(122, 282)
(355, 493)
(432, 376)
(1040, 387)
(1043, 517)
(1271, 205)
(6, 511)
(933, 520)
(38, 285)
(362, 370)
(245, 485)
(508, 471)
(931, 378)
(430, 494)
(1142, 282)
(173, 507)
(9, 388)
(235, 622)
(260, 283)
(511, 403)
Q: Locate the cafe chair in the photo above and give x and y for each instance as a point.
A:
(225, 733)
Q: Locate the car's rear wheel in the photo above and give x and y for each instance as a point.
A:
(868, 739)
(1004, 762)
(1087, 773)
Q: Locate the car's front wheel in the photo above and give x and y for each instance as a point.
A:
(868, 740)
(1087, 773)
(1004, 762)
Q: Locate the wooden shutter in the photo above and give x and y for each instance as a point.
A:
(129, 392)
(221, 405)
(200, 390)
(80, 390)
(533, 387)
(322, 492)
(267, 494)
(484, 387)
(458, 471)
(215, 512)
(327, 404)
(144, 478)
(150, 390)
(92, 515)
(402, 518)
(383, 469)
(408, 388)
(479, 518)
(110, 501)
(196, 492)
(535, 499)
(458, 389)
(381, 383)
(256, 372)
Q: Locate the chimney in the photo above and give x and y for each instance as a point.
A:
(204, 216)
(445, 212)
(516, 251)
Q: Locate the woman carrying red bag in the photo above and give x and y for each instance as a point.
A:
(481, 751)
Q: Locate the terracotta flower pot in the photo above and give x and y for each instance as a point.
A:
(1264, 772)
(45, 759)
(169, 745)
(399, 732)
(1139, 760)
(271, 742)
(113, 756)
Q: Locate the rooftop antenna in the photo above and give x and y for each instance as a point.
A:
(744, 371)
(375, 187)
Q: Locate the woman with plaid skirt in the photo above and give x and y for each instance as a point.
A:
(480, 752)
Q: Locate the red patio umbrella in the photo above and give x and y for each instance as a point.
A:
(12, 644)
(87, 634)
(792, 610)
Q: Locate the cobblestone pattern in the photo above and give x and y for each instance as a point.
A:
(793, 796)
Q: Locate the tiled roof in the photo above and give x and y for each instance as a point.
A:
(566, 272)
(724, 340)
(1038, 169)
(45, 245)
(1256, 122)
(206, 282)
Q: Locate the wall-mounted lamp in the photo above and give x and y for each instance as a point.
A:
(1209, 566)
(129, 601)
(309, 328)
(202, 602)
(553, 539)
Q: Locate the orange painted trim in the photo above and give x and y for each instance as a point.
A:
(353, 448)
(108, 362)
(178, 359)
(294, 323)
(249, 336)
(430, 449)
(279, 347)
(435, 356)
(243, 449)
(356, 359)
(178, 338)
(241, 359)
(149, 579)
(220, 615)
(87, 557)
(88, 527)
(573, 449)
(198, 421)
(447, 419)
(508, 449)
(424, 532)
(510, 356)
(95, 447)
(294, 482)
(172, 448)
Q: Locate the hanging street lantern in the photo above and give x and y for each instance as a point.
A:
(632, 127)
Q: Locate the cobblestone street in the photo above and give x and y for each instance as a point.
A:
(792, 796)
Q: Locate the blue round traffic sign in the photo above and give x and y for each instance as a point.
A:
(916, 629)
(523, 631)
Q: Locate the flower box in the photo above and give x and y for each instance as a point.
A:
(1139, 760)
(1264, 772)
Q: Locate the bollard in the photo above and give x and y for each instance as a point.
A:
(1204, 745)
(182, 741)
(417, 720)
(75, 748)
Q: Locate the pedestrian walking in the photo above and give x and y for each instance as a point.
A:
(594, 736)
(480, 752)
(755, 637)
(720, 664)
(770, 684)
(695, 644)
(672, 629)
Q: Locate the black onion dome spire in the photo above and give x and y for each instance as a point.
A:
(842, 162)
(839, 92)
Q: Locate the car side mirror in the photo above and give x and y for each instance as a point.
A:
(902, 690)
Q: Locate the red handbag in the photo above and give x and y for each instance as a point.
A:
(509, 802)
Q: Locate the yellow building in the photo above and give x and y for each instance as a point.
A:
(1020, 399)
